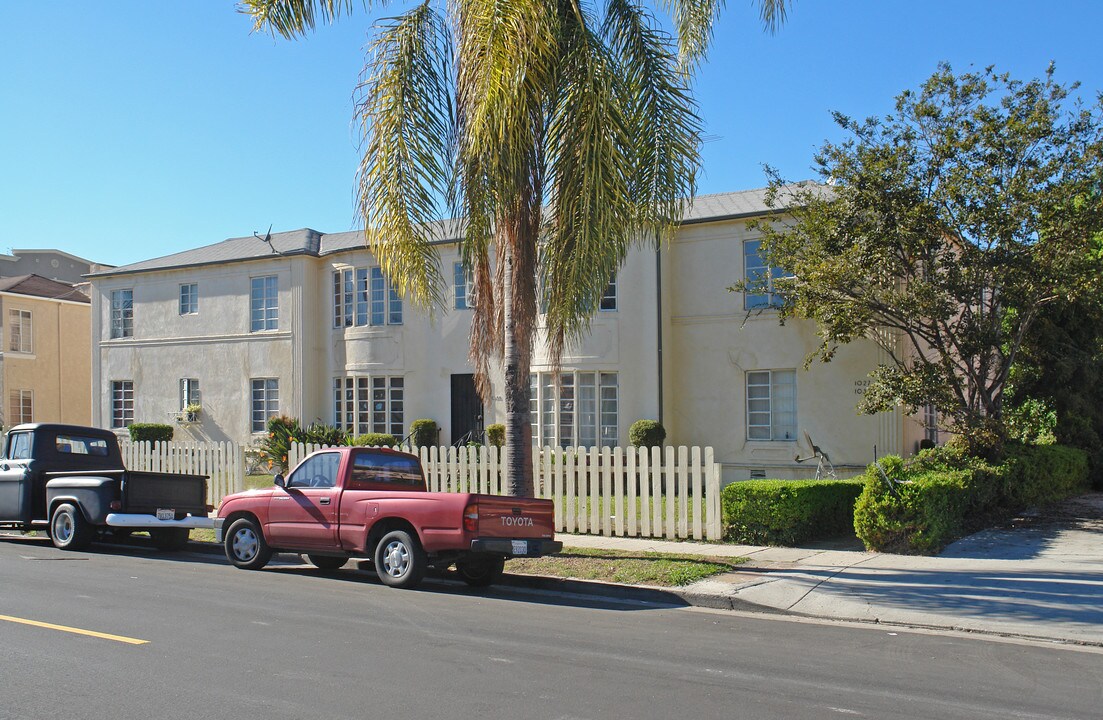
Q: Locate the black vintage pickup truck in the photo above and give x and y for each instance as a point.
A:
(70, 481)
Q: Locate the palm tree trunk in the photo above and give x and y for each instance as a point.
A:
(518, 481)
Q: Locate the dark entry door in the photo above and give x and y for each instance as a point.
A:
(467, 410)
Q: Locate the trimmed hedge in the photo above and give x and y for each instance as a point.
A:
(373, 440)
(496, 435)
(150, 432)
(647, 433)
(942, 494)
(787, 512)
(423, 433)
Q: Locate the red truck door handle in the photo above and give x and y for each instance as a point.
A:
(324, 501)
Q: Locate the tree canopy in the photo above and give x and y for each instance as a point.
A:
(940, 232)
(562, 133)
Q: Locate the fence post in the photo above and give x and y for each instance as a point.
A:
(695, 467)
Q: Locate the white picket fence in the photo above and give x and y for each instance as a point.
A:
(222, 462)
(633, 492)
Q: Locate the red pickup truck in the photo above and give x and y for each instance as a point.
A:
(349, 502)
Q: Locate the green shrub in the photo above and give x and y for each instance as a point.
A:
(423, 433)
(916, 513)
(274, 446)
(788, 512)
(322, 434)
(943, 493)
(496, 434)
(150, 432)
(374, 440)
(646, 433)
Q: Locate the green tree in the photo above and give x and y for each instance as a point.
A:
(561, 132)
(940, 232)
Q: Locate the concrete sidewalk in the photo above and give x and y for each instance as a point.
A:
(1039, 577)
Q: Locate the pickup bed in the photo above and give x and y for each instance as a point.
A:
(70, 481)
(367, 502)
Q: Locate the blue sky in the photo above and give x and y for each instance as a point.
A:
(131, 129)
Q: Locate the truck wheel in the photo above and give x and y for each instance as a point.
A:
(399, 560)
(245, 545)
(170, 539)
(68, 528)
(327, 562)
(481, 571)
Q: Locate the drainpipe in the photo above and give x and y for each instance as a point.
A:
(659, 317)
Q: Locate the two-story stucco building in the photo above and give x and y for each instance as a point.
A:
(307, 325)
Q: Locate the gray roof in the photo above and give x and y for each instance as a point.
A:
(705, 208)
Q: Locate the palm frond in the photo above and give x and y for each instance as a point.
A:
(290, 18)
(405, 109)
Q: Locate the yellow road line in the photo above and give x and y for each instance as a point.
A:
(75, 631)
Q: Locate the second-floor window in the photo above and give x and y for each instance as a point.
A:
(462, 288)
(122, 403)
(264, 309)
(755, 270)
(189, 299)
(21, 407)
(364, 296)
(609, 299)
(122, 313)
(22, 334)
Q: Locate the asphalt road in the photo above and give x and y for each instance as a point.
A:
(293, 642)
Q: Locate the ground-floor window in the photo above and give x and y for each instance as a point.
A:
(21, 409)
(772, 405)
(582, 411)
(265, 402)
(122, 403)
(376, 404)
(930, 423)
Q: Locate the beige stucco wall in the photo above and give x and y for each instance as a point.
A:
(58, 370)
(708, 344)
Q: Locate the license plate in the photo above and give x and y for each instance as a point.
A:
(166, 514)
(520, 547)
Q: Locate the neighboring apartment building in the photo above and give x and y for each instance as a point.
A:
(45, 365)
(307, 325)
(52, 264)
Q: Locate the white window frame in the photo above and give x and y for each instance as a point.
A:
(122, 403)
(370, 404)
(767, 418)
(22, 332)
(122, 313)
(609, 301)
(463, 287)
(363, 297)
(582, 411)
(189, 298)
(770, 300)
(264, 303)
(930, 423)
(189, 392)
(264, 402)
(21, 407)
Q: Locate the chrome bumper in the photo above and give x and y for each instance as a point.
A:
(139, 520)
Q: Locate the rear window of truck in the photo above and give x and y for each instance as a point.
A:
(383, 468)
(78, 445)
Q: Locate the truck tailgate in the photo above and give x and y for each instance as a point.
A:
(512, 517)
(146, 492)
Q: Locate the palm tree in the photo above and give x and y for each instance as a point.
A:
(562, 132)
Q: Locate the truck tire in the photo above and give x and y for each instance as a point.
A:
(245, 545)
(170, 539)
(399, 560)
(327, 562)
(68, 528)
(481, 571)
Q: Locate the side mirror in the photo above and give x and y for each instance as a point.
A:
(278, 480)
